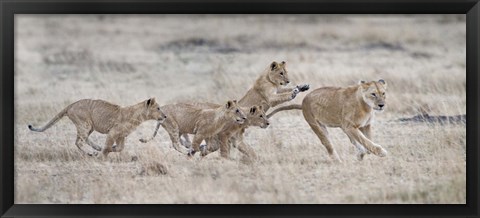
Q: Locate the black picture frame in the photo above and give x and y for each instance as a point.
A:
(9, 8)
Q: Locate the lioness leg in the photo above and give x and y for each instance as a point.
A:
(359, 137)
(322, 133)
(361, 151)
(367, 131)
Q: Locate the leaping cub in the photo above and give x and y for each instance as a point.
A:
(351, 109)
(98, 115)
(268, 90)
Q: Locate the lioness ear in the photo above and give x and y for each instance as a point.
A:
(253, 109)
(361, 81)
(284, 63)
(260, 107)
(235, 101)
(229, 104)
(274, 65)
(381, 81)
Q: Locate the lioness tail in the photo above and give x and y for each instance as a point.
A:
(284, 108)
(51, 122)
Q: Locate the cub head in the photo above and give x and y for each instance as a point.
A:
(277, 73)
(257, 117)
(374, 94)
(153, 111)
(234, 112)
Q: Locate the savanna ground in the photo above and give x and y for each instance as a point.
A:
(126, 59)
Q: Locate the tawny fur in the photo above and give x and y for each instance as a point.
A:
(351, 109)
(98, 115)
(186, 118)
(268, 90)
(255, 117)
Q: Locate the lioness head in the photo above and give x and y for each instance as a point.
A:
(153, 111)
(374, 93)
(257, 117)
(234, 111)
(278, 74)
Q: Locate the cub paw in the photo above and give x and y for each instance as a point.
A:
(294, 93)
(303, 87)
(360, 156)
(93, 154)
(191, 152)
(296, 90)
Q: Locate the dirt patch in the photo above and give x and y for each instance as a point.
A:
(426, 118)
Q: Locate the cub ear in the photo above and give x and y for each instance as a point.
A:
(361, 81)
(229, 104)
(381, 81)
(284, 63)
(273, 65)
(253, 110)
(150, 102)
(260, 107)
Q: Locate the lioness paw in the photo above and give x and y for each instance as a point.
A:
(303, 87)
(381, 152)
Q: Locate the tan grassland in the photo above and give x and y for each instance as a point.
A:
(125, 59)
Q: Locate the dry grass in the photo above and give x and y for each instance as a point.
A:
(126, 59)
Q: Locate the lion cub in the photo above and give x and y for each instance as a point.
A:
(255, 117)
(186, 118)
(97, 115)
(352, 109)
(268, 90)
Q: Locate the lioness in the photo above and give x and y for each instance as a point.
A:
(98, 115)
(351, 109)
(203, 122)
(268, 89)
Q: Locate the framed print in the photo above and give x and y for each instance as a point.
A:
(228, 108)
